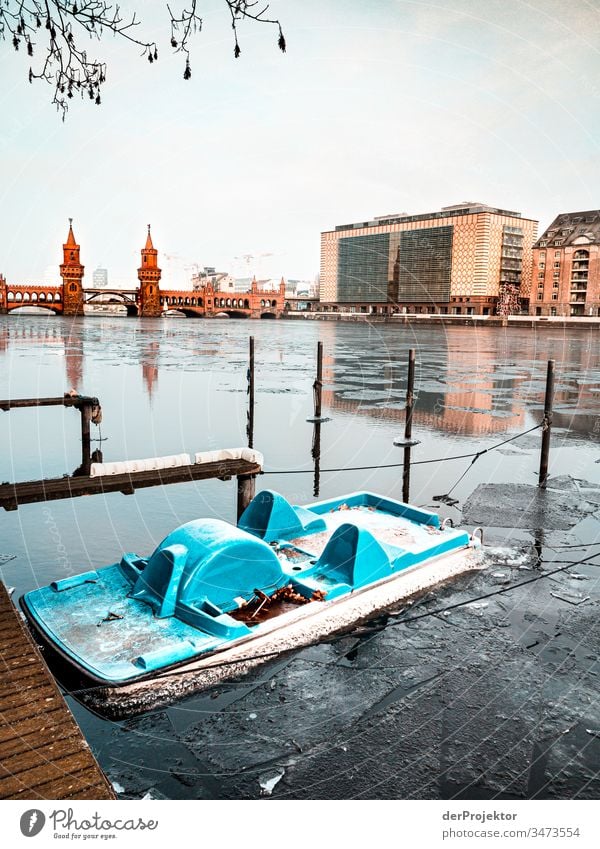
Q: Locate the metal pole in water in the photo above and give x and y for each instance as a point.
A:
(547, 425)
(408, 425)
(319, 380)
(318, 387)
(250, 424)
(316, 455)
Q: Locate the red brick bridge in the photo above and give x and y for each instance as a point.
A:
(148, 300)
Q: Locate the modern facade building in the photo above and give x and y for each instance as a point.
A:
(302, 288)
(468, 259)
(209, 276)
(566, 266)
(100, 278)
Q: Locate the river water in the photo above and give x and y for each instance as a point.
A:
(169, 386)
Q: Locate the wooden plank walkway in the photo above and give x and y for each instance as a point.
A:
(43, 754)
(51, 489)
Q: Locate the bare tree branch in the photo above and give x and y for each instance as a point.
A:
(55, 30)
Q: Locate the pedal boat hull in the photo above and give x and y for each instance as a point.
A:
(141, 634)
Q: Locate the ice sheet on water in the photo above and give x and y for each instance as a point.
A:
(571, 598)
(281, 390)
(269, 781)
(501, 709)
(478, 606)
(512, 557)
(570, 484)
(153, 795)
(525, 506)
(6, 558)
(311, 703)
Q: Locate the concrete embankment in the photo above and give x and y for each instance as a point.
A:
(553, 322)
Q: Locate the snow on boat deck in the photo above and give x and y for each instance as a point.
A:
(81, 618)
(386, 528)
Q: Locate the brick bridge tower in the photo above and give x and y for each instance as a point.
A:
(71, 272)
(3, 295)
(149, 277)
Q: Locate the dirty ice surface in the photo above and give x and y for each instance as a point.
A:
(560, 506)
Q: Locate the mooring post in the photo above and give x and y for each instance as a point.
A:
(319, 380)
(410, 384)
(547, 425)
(318, 388)
(86, 448)
(316, 455)
(246, 489)
(250, 423)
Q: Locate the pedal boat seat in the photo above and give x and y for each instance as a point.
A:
(271, 517)
(202, 571)
(352, 559)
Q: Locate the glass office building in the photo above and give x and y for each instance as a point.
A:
(463, 259)
(363, 267)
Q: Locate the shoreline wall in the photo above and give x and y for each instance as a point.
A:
(558, 322)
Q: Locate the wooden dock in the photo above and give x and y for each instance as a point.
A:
(12, 495)
(43, 754)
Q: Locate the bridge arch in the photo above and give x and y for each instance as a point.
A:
(22, 300)
(233, 313)
(26, 296)
(115, 297)
(188, 312)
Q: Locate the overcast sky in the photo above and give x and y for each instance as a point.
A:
(379, 106)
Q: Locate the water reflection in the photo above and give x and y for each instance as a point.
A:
(469, 381)
(150, 366)
(457, 391)
(73, 347)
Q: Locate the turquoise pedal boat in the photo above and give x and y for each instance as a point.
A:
(214, 600)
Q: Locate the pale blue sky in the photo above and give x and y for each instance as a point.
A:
(378, 107)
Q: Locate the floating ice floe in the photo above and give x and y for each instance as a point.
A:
(269, 782)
